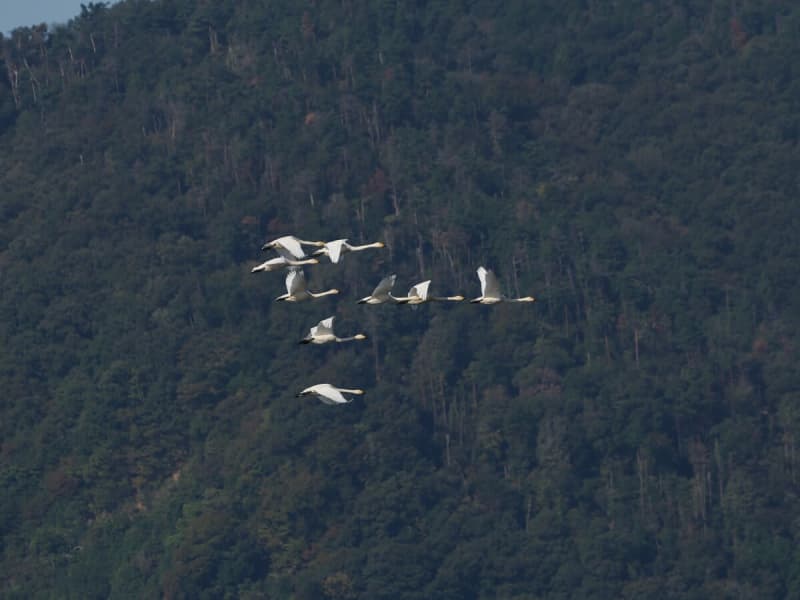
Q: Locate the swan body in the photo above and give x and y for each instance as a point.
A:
(296, 290)
(290, 247)
(382, 293)
(280, 262)
(329, 394)
(336, 249)
(419, 295)
(322, 333)
(490, 290)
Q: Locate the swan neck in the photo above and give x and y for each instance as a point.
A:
(365, 246)
(325, 293)
(351, 338)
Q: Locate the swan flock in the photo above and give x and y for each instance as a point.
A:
(292, 257)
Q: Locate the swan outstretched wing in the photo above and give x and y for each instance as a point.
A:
(482, 277)
(329, 394)
(420, 290)
(289, 247)
(324, 327)
(335, 249)
(335, 396)
(384, 287)
(295, 281)
(490, 287)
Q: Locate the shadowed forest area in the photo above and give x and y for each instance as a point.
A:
(630, 435)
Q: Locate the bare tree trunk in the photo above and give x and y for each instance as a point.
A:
(528, 511)
(641, 471)
(720, 473)
(374, 338)
(395, 200)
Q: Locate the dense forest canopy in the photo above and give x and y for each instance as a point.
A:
(632, 434)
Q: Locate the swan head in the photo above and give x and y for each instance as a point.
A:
(360, 336)
(457, 298)
(380, 245)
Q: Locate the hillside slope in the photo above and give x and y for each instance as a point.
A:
(632, 434)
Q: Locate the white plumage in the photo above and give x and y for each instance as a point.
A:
(418, 294)
(490, 290)
(336, 249)
(330, 394)
(281, 262)
(382, 293)
(296, 290)
(322, 333)
(290, 247)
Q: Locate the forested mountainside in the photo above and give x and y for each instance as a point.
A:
(632, 434)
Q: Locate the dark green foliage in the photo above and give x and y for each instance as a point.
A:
(632, 434)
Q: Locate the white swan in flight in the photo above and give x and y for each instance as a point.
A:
(336, 249)
(490, 290)
(382, 293)
(296, 288)
(322, 333)
(290, 247)
(419, 295)
(330, 394)
(280, 262)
